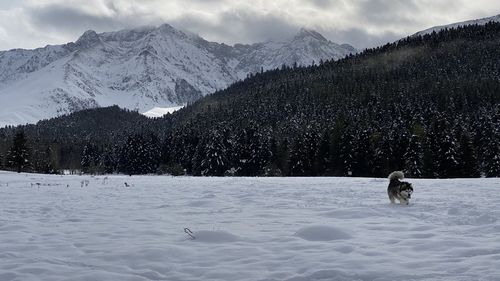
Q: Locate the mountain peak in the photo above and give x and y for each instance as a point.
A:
(141, 68)
(88, 38)
(349, 47)
(166, 28)
(304, 33)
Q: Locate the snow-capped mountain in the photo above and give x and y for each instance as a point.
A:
(139, 69)
(463, 23)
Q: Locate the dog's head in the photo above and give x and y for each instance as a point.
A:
(405, 189)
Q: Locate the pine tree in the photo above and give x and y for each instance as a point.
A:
(40, 159)
(336, 163)
(110, 159)
(400, 142)
(252, 152)
(137, 156)
(322, 158)
(90, 158)
(262, 154)
(448, 165)
(311, 142)
(489, 144)
(363, 155)
(214, 161)
(273, 168)
(198, 157)
(346, 157)
(297, 161)
(18, 156)
(482, 138)
(381, 151)
(50, 164)
(414, 158)
(430, 154)
(53, 150)
(166, 150)
(283, 157)
(468, 162)
(152, 154)
(492, 165)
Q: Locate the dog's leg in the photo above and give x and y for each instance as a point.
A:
(391, 197)
(400, 199)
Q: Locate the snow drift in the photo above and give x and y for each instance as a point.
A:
(52, 228)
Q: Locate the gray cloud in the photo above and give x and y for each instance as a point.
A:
(67, 19)
(362, 23)
(326, 4)
(239, 27)
(9, 4)
(361, 38)
(389, 11)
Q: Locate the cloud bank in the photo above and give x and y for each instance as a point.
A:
(362, 23)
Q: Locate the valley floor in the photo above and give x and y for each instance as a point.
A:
(132, 228)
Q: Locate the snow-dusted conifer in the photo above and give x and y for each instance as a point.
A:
(492, 163)
(214, 162)
(448, 164)
(18, 155)
(413, 158)
(468, 162)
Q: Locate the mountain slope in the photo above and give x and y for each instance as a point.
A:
(482, 21)
(139, 69)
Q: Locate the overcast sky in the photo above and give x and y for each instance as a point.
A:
(362, 23)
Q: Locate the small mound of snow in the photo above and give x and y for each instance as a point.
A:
(8, 276)
(351, 214)
(200, 203)
(322, 233)
(215, 236)
(327, 275)
(453, 211)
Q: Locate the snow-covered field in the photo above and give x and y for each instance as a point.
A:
(52, 228)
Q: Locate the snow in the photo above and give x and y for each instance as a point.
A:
(160, 111)
(138, 69)
(214, 236)
(321, 233)
(52, 228)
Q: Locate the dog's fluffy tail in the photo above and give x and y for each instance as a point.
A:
(396, 175)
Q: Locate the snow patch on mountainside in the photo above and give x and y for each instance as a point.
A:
(139, 69)
(160, 111)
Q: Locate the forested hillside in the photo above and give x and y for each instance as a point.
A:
(428, 105)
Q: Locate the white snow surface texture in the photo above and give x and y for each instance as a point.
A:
(139, 69)
(52, 228)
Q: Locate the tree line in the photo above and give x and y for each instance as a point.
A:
(428, 105)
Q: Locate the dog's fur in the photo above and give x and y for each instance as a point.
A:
(398, 189)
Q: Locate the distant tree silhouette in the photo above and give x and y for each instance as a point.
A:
(18, 155)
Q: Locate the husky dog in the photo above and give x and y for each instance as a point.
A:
(398, 189)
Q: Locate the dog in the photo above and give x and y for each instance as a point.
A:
(398, 189)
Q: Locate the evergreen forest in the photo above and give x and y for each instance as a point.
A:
(428, 105)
